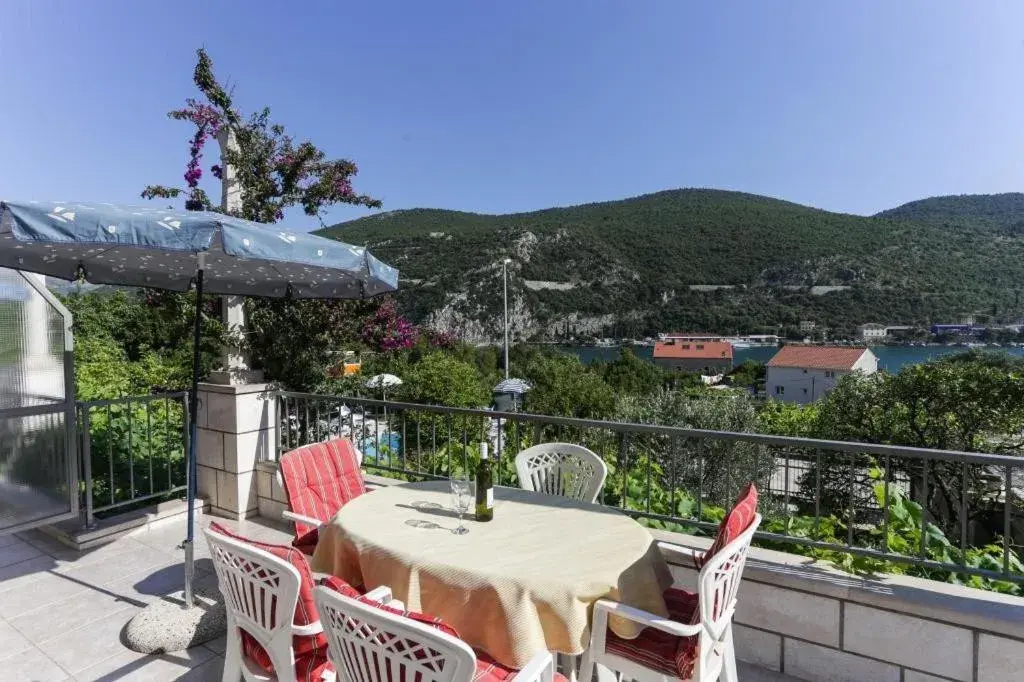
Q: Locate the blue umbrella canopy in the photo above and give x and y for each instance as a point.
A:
(160, 248)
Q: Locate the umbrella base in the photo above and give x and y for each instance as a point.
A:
(166, 626)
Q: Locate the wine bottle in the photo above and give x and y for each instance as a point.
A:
(484, 487)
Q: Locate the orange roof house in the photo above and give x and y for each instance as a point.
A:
(692, 350)
(817, 357)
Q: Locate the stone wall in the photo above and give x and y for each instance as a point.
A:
(810, 621)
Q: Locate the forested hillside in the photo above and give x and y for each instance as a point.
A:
(701, 259)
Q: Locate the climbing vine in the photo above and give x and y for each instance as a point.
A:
(273, 170)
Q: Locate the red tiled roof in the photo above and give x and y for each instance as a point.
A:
(817, 357)
(689, 350)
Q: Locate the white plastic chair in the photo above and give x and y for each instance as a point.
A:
(562, 469)
(715, 659)
(369, 644)
(260, 595)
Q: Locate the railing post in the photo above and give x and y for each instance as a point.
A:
(624, 465)
(85, 436)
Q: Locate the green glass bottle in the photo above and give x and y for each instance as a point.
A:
(484, 487)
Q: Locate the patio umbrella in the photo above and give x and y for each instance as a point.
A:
(514, 386)
(143, 246)
(383, 381)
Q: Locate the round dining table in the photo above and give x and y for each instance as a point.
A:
(521, 583)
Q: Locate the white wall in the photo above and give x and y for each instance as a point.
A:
(807, 385)
(799, 385)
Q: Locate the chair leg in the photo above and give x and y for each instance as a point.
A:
(586, 672)
(728, 673)
(232, 659)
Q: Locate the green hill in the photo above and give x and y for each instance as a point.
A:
(694, 258)
(995, 212)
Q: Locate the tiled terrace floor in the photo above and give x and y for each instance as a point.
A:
(62, 612)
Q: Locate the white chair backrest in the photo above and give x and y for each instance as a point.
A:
(562, 469)
(260, 594)
(373, 645)
(719, 581)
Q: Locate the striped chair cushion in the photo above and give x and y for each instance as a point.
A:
(310, 650)
(489, 670)
(660, 651)
(319, 479)
(735, 522)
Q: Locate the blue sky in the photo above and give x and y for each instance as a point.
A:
(512, 106)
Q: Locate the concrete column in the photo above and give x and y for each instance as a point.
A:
(237, 430)
(234, 363)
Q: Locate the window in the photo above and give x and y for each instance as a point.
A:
(805, 391)
(805, 371)
(686, 346)
(700, 346)
(780, 390)
(830, 374)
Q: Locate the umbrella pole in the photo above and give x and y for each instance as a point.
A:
(193, 408)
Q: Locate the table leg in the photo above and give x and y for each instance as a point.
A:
(568, 664)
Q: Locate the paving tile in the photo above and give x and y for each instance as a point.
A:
(32, 665)
(130, 666)
(78, 649)
(56, 588)
(32, 592)
(85, 607)
(752, 673)
(8, 539)
(211, 671)
(12, 642)
(16, 552)
(168, 539)
(24, 572)
(218, 645)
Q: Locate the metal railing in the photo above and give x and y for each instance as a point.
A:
(942, 511)
(132, 451)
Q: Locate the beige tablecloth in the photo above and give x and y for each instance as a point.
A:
(514, 586)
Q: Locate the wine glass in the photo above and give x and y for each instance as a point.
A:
(462, 498)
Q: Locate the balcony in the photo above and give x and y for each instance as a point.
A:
(63, 608)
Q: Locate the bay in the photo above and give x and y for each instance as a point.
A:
(890, 358)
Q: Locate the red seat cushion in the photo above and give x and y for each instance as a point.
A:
(735, 522)
(319, 479)
(308, 668)
(307, 647)
(489, 670)
(660, 651)
(433, 622)
(307, 543)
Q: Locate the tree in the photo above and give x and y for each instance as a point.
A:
(631, 374)
(562, 386)
(715, 468)
(274, 173)
(972, 402)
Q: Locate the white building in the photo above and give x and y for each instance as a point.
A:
(803, 374)
(872, 331)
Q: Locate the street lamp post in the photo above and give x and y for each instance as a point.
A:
(504, 276)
